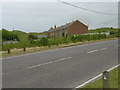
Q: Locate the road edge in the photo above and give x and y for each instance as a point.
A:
(94, 78)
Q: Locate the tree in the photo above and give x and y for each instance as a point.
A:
(8, 35)
(32, 37)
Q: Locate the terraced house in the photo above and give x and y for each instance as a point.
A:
(72, 28)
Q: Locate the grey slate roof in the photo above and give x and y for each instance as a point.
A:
(61, 27)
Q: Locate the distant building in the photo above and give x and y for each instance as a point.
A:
(72, 28)
(8, 42)
(107, 33)
(40, 36)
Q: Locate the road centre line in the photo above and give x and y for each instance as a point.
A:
(103, 48)
(117, 45)
(1, 73)
(96, 50)
(92, 51)
(48, 63)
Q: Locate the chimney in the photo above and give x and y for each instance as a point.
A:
(51, 28)
(55, 26)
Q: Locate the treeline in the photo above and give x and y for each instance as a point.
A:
(7, 35)
(19, 35)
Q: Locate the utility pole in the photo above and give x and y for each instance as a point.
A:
(13, 34)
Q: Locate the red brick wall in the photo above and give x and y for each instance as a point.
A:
(77, 28)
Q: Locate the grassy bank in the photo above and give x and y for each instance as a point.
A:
(43, 48)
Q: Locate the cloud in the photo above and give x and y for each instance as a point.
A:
(41, 16)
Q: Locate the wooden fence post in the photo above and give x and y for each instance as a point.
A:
(8, 50)
(75, 41)
(57, 44)
(48, 44)
(106, 83)
(24, 48)
(66, 42)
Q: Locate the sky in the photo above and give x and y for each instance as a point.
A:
(41, 16)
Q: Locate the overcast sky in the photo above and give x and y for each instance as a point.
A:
(40, 16)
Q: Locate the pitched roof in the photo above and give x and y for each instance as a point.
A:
(61, 27)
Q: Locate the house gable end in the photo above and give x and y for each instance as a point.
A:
(77, 28)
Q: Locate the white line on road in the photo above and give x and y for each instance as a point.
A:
(92, 51)
(1, 73)
(103, 48)
(113, 68)
(88, 81)
(34, 66)
(48, 63)
(117, 45)
(85, 83)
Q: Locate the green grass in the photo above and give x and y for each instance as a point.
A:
(113, 81)
(43, 48)
(102, 30)
(26, 39)
(25, 42)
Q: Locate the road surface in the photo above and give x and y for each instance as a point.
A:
(60, 68)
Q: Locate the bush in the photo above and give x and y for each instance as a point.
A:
(113, 32)
(52, 41)
(43, 41)
(32, 37)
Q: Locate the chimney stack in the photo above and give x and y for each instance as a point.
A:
(55, 26)
(51, 28)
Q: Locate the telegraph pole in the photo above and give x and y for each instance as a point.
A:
(13, 34)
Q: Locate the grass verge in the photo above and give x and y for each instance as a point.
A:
(43, 48)
(113, 75)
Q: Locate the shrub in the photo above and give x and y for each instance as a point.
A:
(113, 32)
(43, 41)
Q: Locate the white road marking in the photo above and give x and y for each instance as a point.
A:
(103, 48)
(85, 83)
(117, 45)
(48, 63)
(88, 81)
(92, 51)
(1, 73)
(113, 68)
(34, 66)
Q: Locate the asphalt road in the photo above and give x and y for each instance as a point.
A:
(61, 68)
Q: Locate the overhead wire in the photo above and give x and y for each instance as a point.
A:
(86, 8)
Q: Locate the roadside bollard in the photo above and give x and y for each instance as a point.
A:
(24, 48)
(106, 83)
(8, 50)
